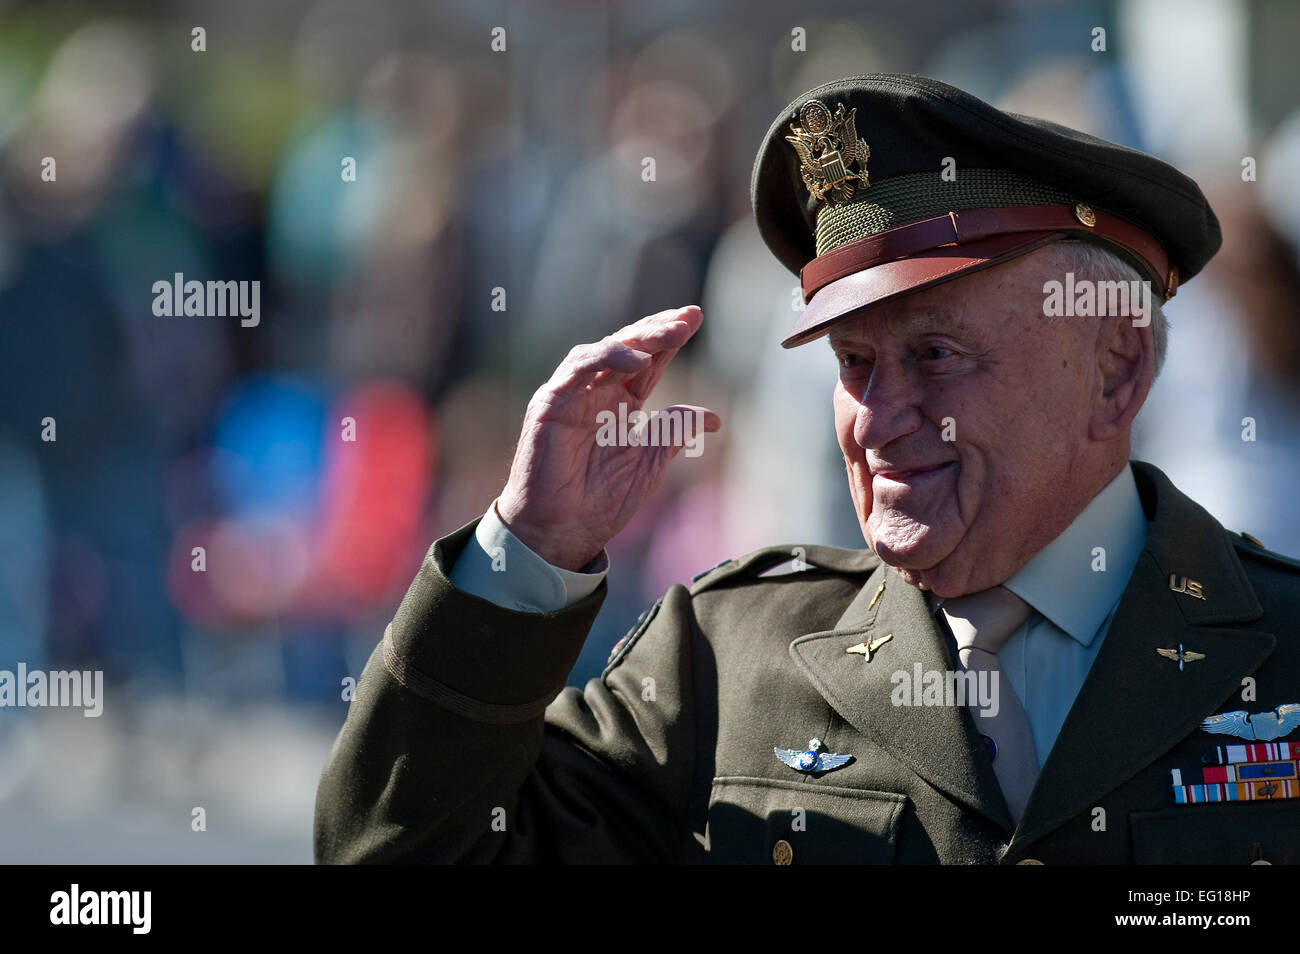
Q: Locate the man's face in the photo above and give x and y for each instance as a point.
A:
(963, 416)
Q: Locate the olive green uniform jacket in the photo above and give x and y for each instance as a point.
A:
(458, 748)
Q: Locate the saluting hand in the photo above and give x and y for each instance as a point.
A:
(567, 495)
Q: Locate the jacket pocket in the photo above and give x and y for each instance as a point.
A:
(820, 824)
(1218, 834)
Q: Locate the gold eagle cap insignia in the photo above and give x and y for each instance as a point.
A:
(828, 148)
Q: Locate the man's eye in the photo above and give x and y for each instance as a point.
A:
(937, 353)
(851, 360)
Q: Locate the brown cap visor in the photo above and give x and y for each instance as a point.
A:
(889, 264)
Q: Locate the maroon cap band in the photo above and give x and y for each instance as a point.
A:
(912, 257)
(971, 225)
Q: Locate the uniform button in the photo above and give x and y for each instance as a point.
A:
(1029, 861)
(782, 853)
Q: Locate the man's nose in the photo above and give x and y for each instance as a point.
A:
(888, 407)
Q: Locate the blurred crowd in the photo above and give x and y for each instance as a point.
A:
(201, 522)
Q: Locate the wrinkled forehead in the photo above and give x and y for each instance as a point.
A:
(963, 316)
(899, 321)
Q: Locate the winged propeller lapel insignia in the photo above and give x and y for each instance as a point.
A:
(813, 760)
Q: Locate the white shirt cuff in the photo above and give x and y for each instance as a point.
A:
(498, 567)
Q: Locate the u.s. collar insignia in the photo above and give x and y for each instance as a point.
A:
(813, 760)
(828, 147)
(1257, 727)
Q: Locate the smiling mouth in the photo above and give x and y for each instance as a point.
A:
(913, 474)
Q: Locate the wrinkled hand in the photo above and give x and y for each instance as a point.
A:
(568, 496)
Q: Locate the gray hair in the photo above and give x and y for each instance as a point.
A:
(1098, 263)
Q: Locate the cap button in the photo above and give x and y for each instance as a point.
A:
(782, 853)
(1083, 212)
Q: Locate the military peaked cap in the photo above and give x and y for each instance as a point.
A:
(875, 186)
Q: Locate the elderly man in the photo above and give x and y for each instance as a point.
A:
(1048, 654)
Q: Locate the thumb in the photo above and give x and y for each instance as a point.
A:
(679, 427)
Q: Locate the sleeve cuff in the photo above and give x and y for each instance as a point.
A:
(486, 662)
(498, 567)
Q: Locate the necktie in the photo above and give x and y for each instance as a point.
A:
(981, 623)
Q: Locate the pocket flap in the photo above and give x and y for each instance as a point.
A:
(1218, 834)
(820, 824)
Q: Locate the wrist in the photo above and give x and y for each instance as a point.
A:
(554, 546)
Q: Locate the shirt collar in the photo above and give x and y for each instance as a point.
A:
(1076, 580)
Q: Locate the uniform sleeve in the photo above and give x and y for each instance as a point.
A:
(451, 753)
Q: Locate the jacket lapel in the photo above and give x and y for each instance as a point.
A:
(937, 742)
(1135, 704)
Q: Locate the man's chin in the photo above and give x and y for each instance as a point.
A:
(919, 552)
(915, 560)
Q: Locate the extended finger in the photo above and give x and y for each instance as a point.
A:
(666, 330)
(679, 427)
(662, 338)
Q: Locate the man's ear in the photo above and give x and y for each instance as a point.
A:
(1126, 362)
